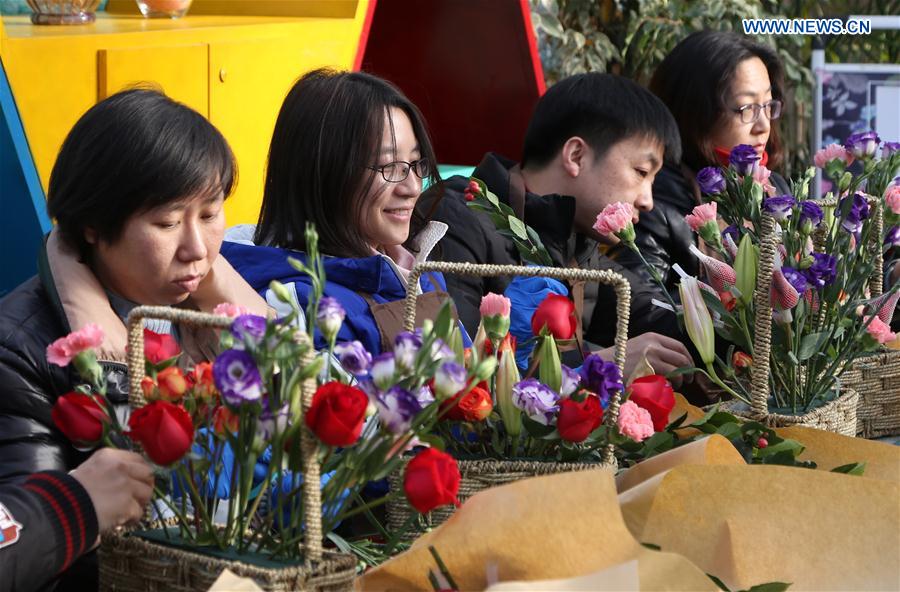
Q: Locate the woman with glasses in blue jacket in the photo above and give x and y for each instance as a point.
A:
(349, 154)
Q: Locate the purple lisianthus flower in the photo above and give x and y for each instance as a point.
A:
(383, 369)
(396, 409)
(330, 317)
(780, 206)
(710, 180)
(857, 212)
(424, 396)
(537, 400)
(863, 144)
(406, 348)
(795, 278)
(570, 381)
(353, 357)
(810, 216)
(237, 377)
(449, 379)
(893, 237)
(268, 421)
(822, 272)
(250, 328)
(601, 377)
(888, 148)
(744, 159)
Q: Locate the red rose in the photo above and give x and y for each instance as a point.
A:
(557, 313)
(225, 421)
(431, 480)
(163, 429)
(576, 420)
(728, 300)
(80, 418)
(475, 405)
(159, 348)
(654, 393)
(337, 413)
(172, 384)
(201, 380)
(741, 361)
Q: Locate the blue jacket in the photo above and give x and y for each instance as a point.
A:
(345, 278)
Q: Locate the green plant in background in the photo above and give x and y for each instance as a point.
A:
(631, 37)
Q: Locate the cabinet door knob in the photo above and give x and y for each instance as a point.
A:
(223, 73)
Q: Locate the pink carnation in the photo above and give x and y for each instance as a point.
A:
(892, 198)
(228, 309)
(879, 330)
(761, 176)
(614, 218)
(701, 215)
(832, 152)
(61, 351)
(494, 305)
(634, 421)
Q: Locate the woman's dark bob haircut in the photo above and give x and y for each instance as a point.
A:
(130, 153)
(328, 133)
(694, 81)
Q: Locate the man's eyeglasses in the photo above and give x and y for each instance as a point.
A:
(750, 113)
(395, 172)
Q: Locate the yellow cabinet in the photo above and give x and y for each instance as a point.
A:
(235, 70)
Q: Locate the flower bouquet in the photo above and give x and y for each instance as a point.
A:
(553, 419)
(264, 452)
(791, 288)
(874, 375)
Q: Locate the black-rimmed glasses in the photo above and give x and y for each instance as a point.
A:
(750, 113)
(398, 171)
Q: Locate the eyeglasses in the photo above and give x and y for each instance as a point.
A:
(398, 171)
(750, 113)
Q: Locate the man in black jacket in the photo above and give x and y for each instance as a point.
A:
(52, 518)
(593, 139)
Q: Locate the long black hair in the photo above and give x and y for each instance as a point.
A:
(131, 152)
(328, 133)
(694, 81)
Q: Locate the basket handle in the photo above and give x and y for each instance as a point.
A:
(619, 284)
(876, 280)
(762, 327)
(312, 494)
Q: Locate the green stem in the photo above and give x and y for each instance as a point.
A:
(711, 374)
(654, 273)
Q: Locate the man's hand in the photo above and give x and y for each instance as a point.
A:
(119, 484)
(663, 353)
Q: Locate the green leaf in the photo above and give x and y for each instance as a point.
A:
(718, 582)
(810, 344)
(857, 468)
(433, 440)
(518, 227)
(729, 430)
(535, 429)
(444, 322)
(489, 195)
(769, 587)
(652, 546)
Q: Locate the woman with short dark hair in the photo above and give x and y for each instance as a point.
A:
(723, 89)
(349, 154)
(137, 191)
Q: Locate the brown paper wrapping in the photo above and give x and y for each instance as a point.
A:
(551, 527)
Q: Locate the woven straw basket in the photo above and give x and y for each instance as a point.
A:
(876, 377)
(839, 415)
(477, 475)
(132, 564)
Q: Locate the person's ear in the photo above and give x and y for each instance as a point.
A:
(90, 236)
(574, 156)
